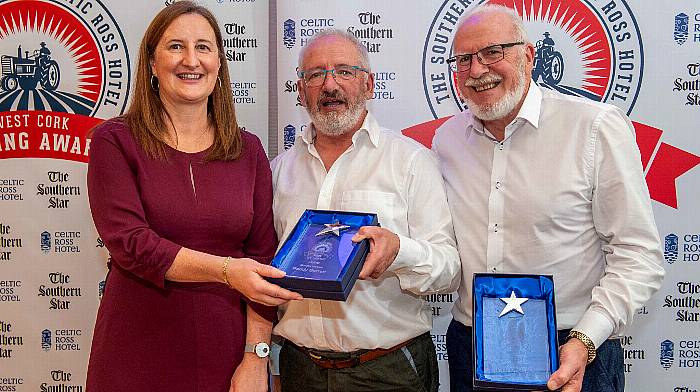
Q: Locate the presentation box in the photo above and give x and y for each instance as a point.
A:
(319, 258)
(515, 344)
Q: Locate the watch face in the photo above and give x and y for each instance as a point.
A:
(262, 350)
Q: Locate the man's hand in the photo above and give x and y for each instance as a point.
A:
(383, 248)
(245, 275)
(250, 375)
(573, 357)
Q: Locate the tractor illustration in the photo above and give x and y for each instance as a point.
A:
(30, 70)
(548, 62)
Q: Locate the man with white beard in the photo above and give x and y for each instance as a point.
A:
(543, 183)
(379, 339)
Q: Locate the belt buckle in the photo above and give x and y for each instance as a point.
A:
(314, 356)
(332, 363)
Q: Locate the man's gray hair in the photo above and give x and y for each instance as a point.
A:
(517, 21)
(361, 49)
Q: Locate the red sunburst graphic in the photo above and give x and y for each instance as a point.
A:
(27, 23)
(590, 68)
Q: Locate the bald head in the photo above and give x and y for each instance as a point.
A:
(499, 16)
(337, 34)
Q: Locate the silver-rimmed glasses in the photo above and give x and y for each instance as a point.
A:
(314, 77)
(486, 56)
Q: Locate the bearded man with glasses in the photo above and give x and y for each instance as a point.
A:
(544, 183)
(379, 339)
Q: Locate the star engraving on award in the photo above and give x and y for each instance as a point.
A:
(513, 303)
(332, 228)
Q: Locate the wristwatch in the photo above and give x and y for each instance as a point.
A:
(262, 349)
(586, 342)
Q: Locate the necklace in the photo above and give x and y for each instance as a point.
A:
(194, 144)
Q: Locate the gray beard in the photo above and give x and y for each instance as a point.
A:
(503, 106)
(337, 123)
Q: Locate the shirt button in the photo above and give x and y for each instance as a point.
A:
(495, 228)
(500, 146)
(494, 269)
(498, 185)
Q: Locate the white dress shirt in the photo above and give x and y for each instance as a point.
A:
(388, 174)
(563, 194)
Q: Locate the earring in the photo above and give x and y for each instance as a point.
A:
(219, 79)
(154, 83)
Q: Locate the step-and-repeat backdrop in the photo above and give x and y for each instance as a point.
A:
(68, 64)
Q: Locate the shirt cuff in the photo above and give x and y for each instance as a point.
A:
(596, 326)
(410, 253)
(275, 348)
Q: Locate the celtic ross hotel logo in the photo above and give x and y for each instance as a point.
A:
(289, 33)
(45, 242)
(671, 248)
(680, 31)
(289, 135)
(666, 354)
(46, 340)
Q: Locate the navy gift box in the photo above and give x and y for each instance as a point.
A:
(323, 266)
(515, 331)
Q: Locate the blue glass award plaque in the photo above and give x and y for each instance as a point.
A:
(319, 258)
(515, 332)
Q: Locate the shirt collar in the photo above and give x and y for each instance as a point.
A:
(308, 135)
(529, 111)
(369, 126)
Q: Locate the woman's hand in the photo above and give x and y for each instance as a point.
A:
(250, 375)
(246, 276)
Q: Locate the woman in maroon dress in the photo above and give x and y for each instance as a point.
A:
(182, 199)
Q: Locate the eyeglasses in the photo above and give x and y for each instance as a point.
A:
(314, 77)
(486, 56)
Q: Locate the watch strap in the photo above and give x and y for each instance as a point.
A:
(590, 346)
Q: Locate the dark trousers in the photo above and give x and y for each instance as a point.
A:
(412, 368)
(604, 374)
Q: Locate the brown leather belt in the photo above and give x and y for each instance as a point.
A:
(353, 359)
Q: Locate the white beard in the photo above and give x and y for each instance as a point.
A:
(337, 123)
(503, 106)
